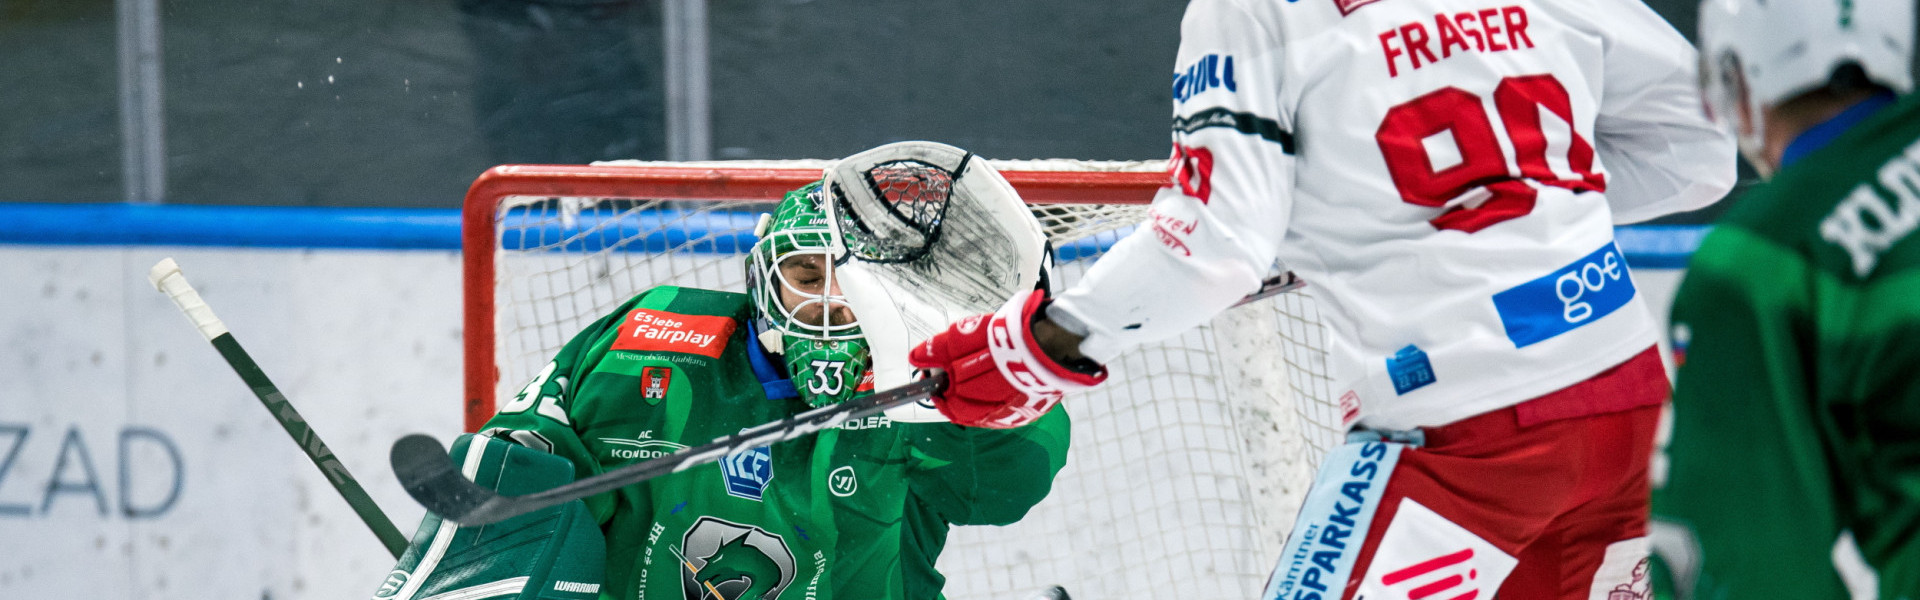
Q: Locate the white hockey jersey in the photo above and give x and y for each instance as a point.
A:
(1446, 174)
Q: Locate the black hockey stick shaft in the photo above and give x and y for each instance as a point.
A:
(429, 475)
(167, 278)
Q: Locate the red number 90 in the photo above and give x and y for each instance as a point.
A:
(1482, 162)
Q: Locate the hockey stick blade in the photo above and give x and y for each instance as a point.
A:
(429, 475)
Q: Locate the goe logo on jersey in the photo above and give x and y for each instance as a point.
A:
(1569, 297)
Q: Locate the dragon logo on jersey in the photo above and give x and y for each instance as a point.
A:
(730, 561)
(654, 382)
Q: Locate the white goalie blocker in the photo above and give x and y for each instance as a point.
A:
(932, 234)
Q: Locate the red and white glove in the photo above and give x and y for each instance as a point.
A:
(997, 377)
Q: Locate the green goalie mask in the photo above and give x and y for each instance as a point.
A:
(797, 304)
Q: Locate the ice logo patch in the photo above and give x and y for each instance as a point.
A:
(748, 472)
(1572, 296)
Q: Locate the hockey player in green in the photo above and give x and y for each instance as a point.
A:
(861, 511)
(1793, 469)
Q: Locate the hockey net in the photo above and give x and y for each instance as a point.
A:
(1185, 469)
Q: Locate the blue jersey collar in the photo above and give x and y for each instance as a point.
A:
(1818, 136)
(777, 386)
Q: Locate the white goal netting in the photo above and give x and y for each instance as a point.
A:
(1185, 469)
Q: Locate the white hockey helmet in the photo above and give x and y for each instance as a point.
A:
(1758, 53)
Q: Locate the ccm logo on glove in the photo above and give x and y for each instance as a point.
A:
(996, 376)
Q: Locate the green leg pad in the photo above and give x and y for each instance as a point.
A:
(553, 553)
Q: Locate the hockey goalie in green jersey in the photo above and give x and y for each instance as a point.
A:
(1793, 469)
(859, 511)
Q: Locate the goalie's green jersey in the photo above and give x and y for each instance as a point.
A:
(1797, 405)
(859, 511)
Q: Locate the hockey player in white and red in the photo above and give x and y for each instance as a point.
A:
(1446, 175)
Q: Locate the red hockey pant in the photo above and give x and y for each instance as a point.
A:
(1564, 495)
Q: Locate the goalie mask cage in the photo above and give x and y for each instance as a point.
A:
(1185, 468)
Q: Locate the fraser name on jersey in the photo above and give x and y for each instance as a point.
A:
(1445, 176)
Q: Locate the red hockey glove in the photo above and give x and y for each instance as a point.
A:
(997, 377)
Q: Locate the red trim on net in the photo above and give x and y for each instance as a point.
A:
(479, 235)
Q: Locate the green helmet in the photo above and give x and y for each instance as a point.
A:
(797, 306)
